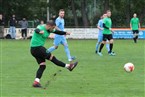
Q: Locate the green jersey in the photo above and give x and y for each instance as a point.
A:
(108, 23)
(39, 39)
(134, 23)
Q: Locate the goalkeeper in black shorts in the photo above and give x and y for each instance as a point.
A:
(38, 51)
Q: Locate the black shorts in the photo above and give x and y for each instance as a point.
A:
(107, 37)
(135, 31)
(40, 54)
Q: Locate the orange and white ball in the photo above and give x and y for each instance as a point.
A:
(129, 67)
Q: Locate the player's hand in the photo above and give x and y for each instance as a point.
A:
(68, 33)
(41, 32)
(51, 36)
(131, 28)
(112, 31)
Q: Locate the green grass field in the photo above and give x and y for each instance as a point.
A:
(94, 76)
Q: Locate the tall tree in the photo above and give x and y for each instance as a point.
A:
(84, 13)
(106, 5)
(142, 15)
(128, 10)
(139, 8)
(74, 13)
(122, 10)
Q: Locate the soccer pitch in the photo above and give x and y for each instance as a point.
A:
(94, 76)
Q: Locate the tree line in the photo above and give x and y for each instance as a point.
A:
(79, 13)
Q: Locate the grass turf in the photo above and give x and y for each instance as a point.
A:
(94, 76)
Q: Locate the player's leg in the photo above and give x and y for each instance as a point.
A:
(53, 59)
(66, 48)
(102, 45)
(57, 62)
(108, 46)
(51, 49)
(111, 41)
(56, 44)
(40, 54)
(134, 35)
(100, 38)
(111, 45)
(37, 53)
(39, 74)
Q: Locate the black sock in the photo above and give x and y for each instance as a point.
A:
(40, 71)
(111, 47)
(57, 62)
(101, 46)
(134, 39)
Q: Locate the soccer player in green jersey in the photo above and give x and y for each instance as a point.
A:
(107, 34)
(38, 51)
(135, 26)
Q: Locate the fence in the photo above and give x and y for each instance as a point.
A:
(86, 33)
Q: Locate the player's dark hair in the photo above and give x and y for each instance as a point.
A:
(51, 23)
(61, 10)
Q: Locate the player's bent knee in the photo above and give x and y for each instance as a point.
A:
(111, 41)
(56, 47)
(51, 57)
(66, 46)
(103, 42)
(48, 56)
(43, 63)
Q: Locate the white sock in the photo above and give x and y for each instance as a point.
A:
(67, 65)
(37, 79)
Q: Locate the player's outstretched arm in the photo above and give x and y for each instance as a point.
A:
(38, 31)
(61, 32)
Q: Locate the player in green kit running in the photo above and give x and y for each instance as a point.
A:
(38, 51)
(135, 26)
(107, 34)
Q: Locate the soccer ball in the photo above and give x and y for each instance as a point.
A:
(129, 67)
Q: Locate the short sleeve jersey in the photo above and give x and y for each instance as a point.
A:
(39, 39)
(107, 21)
(134, 22)
(60, 23)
